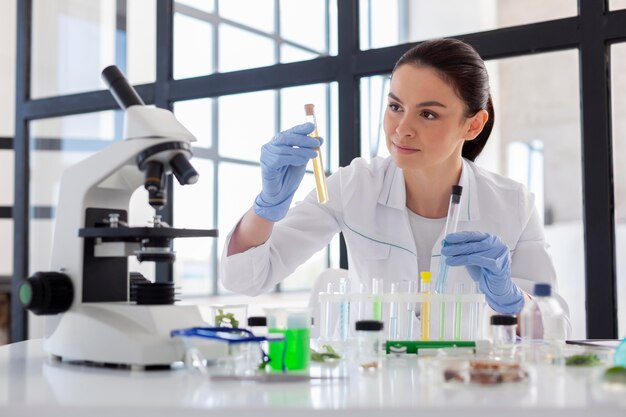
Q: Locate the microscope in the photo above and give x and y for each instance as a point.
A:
(96, 312)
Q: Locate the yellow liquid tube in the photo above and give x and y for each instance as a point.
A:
(425, 275)
(318, 167)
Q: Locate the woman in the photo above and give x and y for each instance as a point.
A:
(392, 210)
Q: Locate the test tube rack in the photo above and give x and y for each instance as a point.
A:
(449, 316)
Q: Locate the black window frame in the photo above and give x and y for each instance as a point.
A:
(592, 32)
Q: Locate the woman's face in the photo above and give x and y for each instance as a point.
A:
(425, 123)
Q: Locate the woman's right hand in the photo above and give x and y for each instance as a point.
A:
(283, 163)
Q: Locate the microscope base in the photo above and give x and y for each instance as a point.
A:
(124, 334)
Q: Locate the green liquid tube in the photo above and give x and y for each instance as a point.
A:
(377, 305)
(458, 309)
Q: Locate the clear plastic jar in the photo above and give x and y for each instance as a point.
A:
(369, 341)
(503, 330)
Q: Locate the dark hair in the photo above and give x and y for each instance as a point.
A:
(461, 66)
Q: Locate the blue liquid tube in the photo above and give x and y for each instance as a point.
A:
(344, 311)
(451, 223)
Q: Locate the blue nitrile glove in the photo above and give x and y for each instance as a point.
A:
(283, 162)
(488, 262)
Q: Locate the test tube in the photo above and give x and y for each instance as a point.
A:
(425, 275)
(318, 167)
(344, 310)
(377, 304)
(473, 315)
(394, 312)
(413, 310)
(458, 310)
(451, 223)
(326, 332)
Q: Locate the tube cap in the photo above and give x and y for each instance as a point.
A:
(369, 325)
(503, 320)
(257, 321)
(543, 290)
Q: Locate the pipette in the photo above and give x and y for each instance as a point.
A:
(451, 223)
(318, 167)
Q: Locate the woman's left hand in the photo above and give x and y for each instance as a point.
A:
(488, 262)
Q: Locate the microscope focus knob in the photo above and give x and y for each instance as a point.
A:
(47, 293)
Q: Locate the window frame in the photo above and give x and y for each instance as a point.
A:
(591, 32)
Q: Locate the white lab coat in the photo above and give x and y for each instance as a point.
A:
(367, 203)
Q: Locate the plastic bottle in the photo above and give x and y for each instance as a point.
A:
(543, 328)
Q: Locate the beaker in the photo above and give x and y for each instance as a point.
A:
(294, 323)
(228, 315)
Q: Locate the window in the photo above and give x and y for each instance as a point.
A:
(74, 40)
(301, 44)
(235, 35)
(385, 23)
(618, 98)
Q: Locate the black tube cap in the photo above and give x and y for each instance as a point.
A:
(503, 320)
(257, 321)
(369, 325)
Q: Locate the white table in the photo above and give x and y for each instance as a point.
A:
(31, 384)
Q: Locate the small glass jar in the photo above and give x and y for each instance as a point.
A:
(503, 330)
(369, 341)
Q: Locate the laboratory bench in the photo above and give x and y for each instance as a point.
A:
(31, 384)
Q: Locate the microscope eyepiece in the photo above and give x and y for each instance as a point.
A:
(183, 170)
(124, 93)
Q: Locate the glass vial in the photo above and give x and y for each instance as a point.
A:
(369, 341)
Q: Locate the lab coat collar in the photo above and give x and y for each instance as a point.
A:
(393, 192)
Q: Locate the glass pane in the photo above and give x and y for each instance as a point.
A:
(232, 205)
(74, 40)
(6, 178)
(203, 5)
(318, 17)
(7, 69)
(193, 209)
(197, 117)
(259, 50)
(256, 14)
(40, 245)
(536, 100)
(374, 92)
(6, 243)
(193, 46)
(618, 98)
(614, 5)
(257, 113)
(385, 23)
(537, 105)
